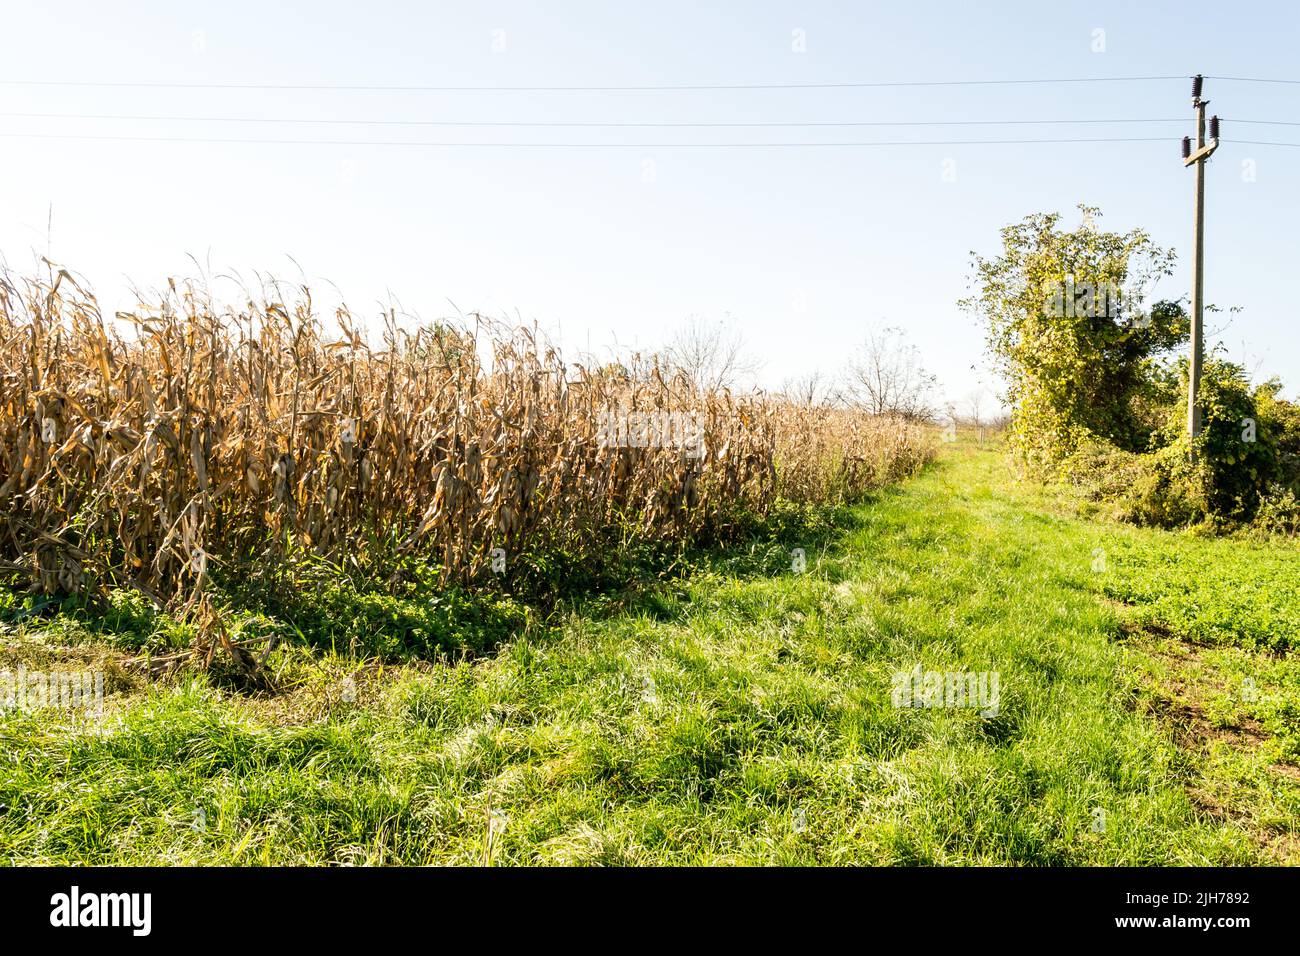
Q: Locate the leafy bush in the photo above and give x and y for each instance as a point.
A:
(1278, 421)
(1078, 363)
(1278, 512)
(1161, 488)
(1099, 396)
(1242, 462)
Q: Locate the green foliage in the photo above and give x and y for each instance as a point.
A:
(124, 619)
(1067, 326)
(1242, 462)
(1161, 488)
(359, 609)
(1278, 512)
(754, 726)
(1278, 424)
(1211, 591)
(1097, 396)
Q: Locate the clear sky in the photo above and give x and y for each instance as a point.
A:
(805, 248)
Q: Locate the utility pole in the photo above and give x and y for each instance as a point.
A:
(1197, 158)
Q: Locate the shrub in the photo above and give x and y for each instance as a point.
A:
(1278, 512)
(1161, 488)
(1069, 330)
(1242, 459)
(1278, 422)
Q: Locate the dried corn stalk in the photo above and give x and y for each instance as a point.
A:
(201, 434)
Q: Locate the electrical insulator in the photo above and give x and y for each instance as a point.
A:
(1214, 127)
(1187, 147)
(1196, 86)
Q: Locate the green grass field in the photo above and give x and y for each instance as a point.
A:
(1149, 713)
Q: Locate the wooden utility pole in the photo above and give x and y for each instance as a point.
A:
(1197, 158)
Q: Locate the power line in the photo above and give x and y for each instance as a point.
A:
(134, 117)
(1251, 79)
(327, 87)
(1228, 119)
(543, 145)
(580, 125)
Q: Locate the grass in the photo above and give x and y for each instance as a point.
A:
(741, 714)
(1216, 591)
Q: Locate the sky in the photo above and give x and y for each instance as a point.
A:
(803, 250)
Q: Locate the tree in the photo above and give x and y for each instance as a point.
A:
(975, 402)
(885, 377)
(809, 389)
(711, 353)
(1068, 330)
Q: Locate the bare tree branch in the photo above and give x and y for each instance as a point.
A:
(885, 377)
(712, 353)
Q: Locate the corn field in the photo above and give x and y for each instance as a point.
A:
(149, 450)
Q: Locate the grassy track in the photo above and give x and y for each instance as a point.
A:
(744, 716)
